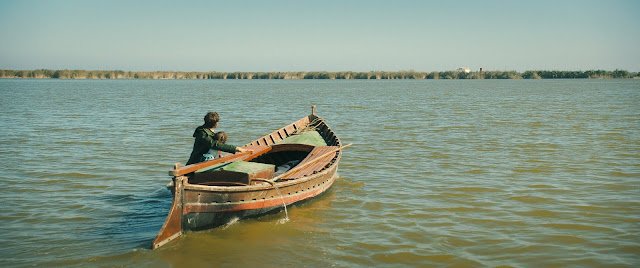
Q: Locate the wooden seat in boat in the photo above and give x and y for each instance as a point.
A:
(235, 173)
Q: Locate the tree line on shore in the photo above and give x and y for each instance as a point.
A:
(458, 74)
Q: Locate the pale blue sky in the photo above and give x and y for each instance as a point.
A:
(320, 35)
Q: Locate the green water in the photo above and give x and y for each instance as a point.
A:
(441, 173)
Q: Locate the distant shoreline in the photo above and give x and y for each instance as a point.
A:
(371, 75)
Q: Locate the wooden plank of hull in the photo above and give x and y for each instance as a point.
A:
(292, 195)
(281, 133)
(198, 216)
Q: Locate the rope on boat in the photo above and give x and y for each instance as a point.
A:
(312, 126)
(284, 204)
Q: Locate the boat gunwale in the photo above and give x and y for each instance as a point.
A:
(262, 186)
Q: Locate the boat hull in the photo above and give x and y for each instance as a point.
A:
(199, 215)
(198, 207)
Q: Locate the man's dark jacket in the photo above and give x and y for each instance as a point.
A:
(204, 141)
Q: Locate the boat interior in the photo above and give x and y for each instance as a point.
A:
(299, 149)
(279, 161)
(281, 158)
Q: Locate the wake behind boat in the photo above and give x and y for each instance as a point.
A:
(292, 164)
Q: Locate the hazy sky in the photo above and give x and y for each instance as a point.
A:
(320, 35)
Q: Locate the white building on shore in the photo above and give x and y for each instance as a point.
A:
(466, 70)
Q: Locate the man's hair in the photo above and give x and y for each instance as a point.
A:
(220, 136)
(211, 120)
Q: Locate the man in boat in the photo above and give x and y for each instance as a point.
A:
(205, 140)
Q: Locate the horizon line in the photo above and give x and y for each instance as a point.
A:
(465, 69)
(460, 73)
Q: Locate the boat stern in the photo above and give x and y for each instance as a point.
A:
(172, 227)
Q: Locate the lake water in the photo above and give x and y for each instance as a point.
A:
(520, 173)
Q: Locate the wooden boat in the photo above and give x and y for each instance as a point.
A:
(212, 193)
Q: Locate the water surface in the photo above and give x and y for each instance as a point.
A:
(441, 173)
